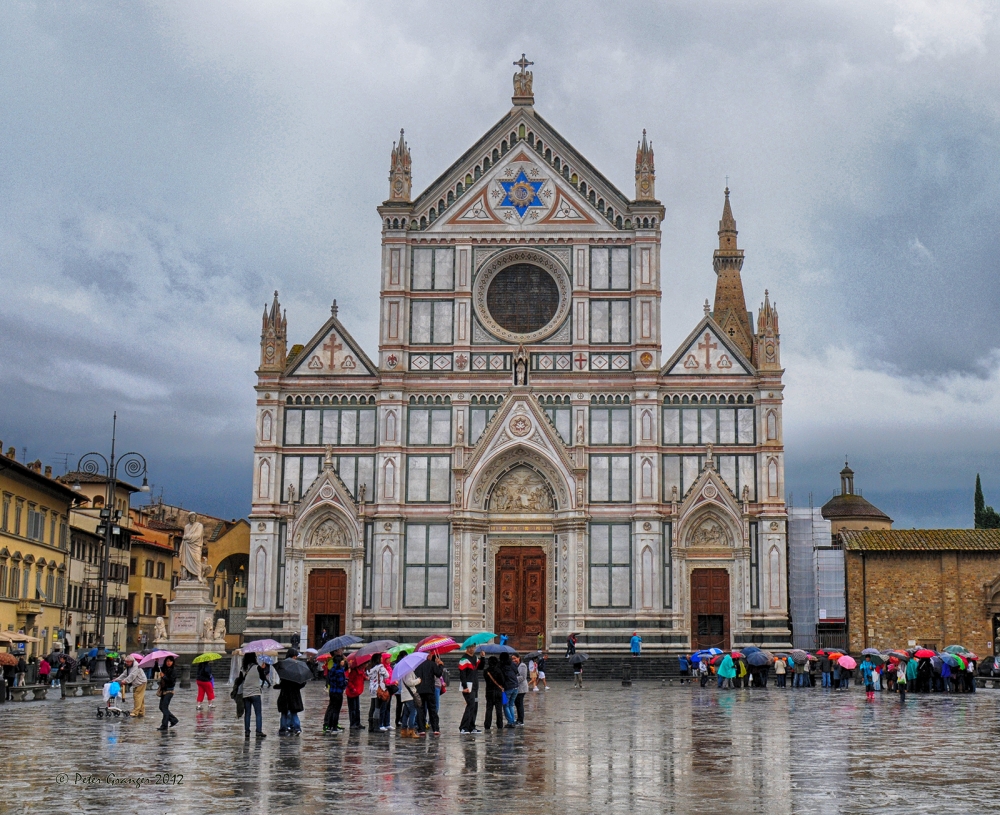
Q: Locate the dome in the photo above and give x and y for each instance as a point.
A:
(847, 507)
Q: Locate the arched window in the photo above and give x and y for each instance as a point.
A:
(389, 480)
(772, 426)
(772, 478)
(265, 427)
(647, 478)
(264, 480)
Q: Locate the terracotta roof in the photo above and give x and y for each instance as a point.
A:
(163, 526)
(15, 467)
(851, 506)
(922, 540)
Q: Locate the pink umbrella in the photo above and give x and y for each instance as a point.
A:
(441, 644)
(149, 659)
(847, 662)
(136, 656)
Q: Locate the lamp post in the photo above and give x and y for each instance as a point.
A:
(109, 526)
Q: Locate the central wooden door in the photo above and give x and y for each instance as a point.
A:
(710, 609)
(520, 600)
(326, 604)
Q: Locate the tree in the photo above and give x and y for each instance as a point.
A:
(985, 517)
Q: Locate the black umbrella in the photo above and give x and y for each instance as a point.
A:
(337, 643)
(577, 658)
(758, 659)
(532, 655)
(293, 671)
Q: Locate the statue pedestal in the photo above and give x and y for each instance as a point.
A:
(187, 612)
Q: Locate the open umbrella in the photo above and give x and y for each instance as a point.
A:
(311, 651)
(8, 659)
(260, 646)
(799, 657)
(431, 637)
(405, 648)
(292, 670)
(406, 664)
(532, 655)
(876, 659)
(209, 656)
(758, 659)
(376, 647)
(495, 648)
(577, 658)
(440, 644)
(953, 660)
(749, 649)
(871, 652)
(136, 656)
(847, 662)
(956, 649)
(155, 657)
(903, 655)
(478, 639)
(338, 643)
(705, 653)
(923, 653)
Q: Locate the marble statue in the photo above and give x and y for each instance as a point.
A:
(220, 629)
(206, 629)
(190, 553)
(159, 630)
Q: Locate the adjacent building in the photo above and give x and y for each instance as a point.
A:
(520, 455)
(34, 548)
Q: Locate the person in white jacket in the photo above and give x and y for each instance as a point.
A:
(135, 678)
(408, 693)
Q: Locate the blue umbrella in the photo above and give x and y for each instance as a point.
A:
(338, 643)
(493, 648)
(750, 649)
(758, 659)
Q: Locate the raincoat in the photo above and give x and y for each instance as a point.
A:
(911, 671)
(726, 669)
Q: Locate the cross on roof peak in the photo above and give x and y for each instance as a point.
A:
(523, 63)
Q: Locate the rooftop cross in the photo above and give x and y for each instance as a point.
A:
(523, 63)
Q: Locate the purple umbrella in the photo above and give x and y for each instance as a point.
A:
(406, 665)
(260, 646)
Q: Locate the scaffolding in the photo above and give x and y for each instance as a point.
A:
(812, 574)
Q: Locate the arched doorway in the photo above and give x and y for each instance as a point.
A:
(521, 505)
(327, 604)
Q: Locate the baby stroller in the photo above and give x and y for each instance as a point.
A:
(113, 702)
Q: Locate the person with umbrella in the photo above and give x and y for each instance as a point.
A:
(336, 683)
(429, 672)
(577, 660)
(902, 672)
(469, 667)
(570, 645)
(251, 678)
(292, 678)
(206, 684)
(134, 677)
(867, 676)
(356, 675)
(168, 679)
(378, 690)
(494, 692)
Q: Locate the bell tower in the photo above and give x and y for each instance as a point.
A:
(273, 338)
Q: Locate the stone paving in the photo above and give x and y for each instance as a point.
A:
(607, 749)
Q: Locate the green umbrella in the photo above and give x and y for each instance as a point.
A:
(956, 649)
(209, 657)
(481, 638)
(405, 648)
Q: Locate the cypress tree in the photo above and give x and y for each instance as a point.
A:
(980, 503)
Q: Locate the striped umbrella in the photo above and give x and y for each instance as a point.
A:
(440, 644)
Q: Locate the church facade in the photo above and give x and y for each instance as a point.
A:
(520, 456)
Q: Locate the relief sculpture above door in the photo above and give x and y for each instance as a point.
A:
(521, 490)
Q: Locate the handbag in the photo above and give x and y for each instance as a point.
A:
(159, 690)
(382, 694)
(503, 698)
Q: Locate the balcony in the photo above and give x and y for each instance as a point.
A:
(29, 607)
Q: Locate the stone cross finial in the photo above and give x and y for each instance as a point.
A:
(522, 83)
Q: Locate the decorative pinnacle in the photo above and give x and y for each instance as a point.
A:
(333, 309)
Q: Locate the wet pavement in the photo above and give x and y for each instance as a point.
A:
(607, 749)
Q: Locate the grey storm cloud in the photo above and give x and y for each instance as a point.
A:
(165, 166)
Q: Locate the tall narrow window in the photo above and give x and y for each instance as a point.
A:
(754, 567)
(366, 589)
(610, 322)
(668, 566)
(611, 479)
(647, 577)
(428, 479)
(426, 561)
(772, 478)
(433, 269)
(610, 565)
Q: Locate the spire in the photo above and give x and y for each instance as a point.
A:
(399, 171)
(645, 174)
(523, 95)
(768, 342)
(273, 337)
(730, 311)
(333, 309)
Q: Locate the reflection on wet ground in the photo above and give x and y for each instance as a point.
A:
(607, 749)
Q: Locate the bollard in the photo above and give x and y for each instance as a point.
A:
(186, 675)
(626, 674)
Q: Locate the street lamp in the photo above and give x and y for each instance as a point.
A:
(110, 517)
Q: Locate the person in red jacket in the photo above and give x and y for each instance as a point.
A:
(355, 687)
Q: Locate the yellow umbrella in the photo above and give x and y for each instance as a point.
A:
(211, 656)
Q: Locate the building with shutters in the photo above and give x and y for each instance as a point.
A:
(519, 455)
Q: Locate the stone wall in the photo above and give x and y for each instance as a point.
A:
(934, 598)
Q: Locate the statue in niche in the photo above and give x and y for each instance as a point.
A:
(327, 534)
(521, 490)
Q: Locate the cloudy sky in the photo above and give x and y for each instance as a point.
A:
(164, 167)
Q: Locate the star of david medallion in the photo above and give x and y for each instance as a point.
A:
(520, 426)
(521, 193)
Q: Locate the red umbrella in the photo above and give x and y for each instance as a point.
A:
(432, 637)
(924, 653)
(736, 655)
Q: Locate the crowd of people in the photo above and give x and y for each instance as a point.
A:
(919, 670)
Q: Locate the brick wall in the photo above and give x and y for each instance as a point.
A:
(935, 598)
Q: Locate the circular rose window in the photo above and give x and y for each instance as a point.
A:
(522, 295)
(522, 298)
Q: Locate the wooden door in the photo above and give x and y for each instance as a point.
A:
(326, 603)
(520, 598)
(710, 609)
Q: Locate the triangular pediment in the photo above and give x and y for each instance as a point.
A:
(707, 351)
(327, 496)
(494, 194)
(709, 488)
(332, 352)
